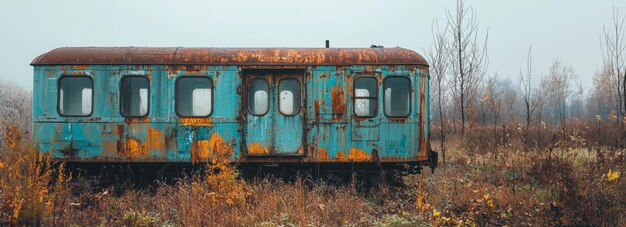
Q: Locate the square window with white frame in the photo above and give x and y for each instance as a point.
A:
(75, 96)
(194, 96)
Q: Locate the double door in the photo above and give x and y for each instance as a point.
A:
(274, 119)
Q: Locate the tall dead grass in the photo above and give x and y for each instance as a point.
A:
(571, 180)
(31, 187)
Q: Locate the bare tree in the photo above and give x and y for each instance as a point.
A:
(437, 56)
(493, 96)
(15, 108)
(468, 58)
(613, 48)
(530, 97)
(601, 99)
(559, 86)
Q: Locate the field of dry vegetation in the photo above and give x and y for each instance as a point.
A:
(573, 180)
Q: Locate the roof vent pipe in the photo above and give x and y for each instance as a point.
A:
(327, 43)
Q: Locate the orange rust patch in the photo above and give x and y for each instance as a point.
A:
(137, 120)
(80, 67)
(240, 56)
(51, 146)
(202, 149)
(135, 149)
(78, 73)
(219, 146)
(338, 102)
(358, 155)
(196, 121)
(215, 147)
(341, 156)
(154, 140)
(316, 105)
(256, 148)
(199, 150)
(322, 154)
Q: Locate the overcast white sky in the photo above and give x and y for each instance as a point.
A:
(564, 29)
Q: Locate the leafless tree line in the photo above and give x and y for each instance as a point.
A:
(464, 95)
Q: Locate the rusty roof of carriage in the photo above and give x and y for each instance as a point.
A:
(228, 56)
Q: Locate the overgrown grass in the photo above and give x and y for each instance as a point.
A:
(32, 189)
(566, 183)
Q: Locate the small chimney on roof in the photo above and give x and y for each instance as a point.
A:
(327, 43)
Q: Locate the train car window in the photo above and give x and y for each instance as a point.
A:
(365, 96)
(258, 97)
(289, 103)
(397, 96)
(75, 96)
(194, 96)
(134, 93)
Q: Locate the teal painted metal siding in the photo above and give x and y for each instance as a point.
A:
(325, 129)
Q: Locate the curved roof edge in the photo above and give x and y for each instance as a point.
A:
(228, 56)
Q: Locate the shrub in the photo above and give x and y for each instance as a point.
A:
(30, 185)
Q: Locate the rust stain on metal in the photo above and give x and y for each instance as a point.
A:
(134, 148)
(79, 67)
(257, 149)
(322, 154)
(228, 56)
(202, 149)
(196, 122)
(214, 148)
(399, 120)
(199, 150)
(338, 102)
(170, 139)
(154, 140)
(422, 153)
(130, 120)
(109, 148)
(120, 139)
(219, 146)
(316, 107)
(341, 156)
(358, 155)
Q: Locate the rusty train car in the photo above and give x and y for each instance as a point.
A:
(324, 108)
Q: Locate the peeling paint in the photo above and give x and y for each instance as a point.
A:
(322, 154)
(219, 146)
(338, 102)
(196, 122)
(256, 148)
(199, 150)
(135, 149)
(341, 156)
(155, 140)
(358, 155)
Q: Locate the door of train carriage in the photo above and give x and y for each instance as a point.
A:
(274, 118)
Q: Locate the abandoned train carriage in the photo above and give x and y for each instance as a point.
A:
(366, 106)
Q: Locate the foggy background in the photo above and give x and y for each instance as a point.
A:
(568, 30)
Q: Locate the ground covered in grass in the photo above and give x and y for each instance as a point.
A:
(559, 185)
